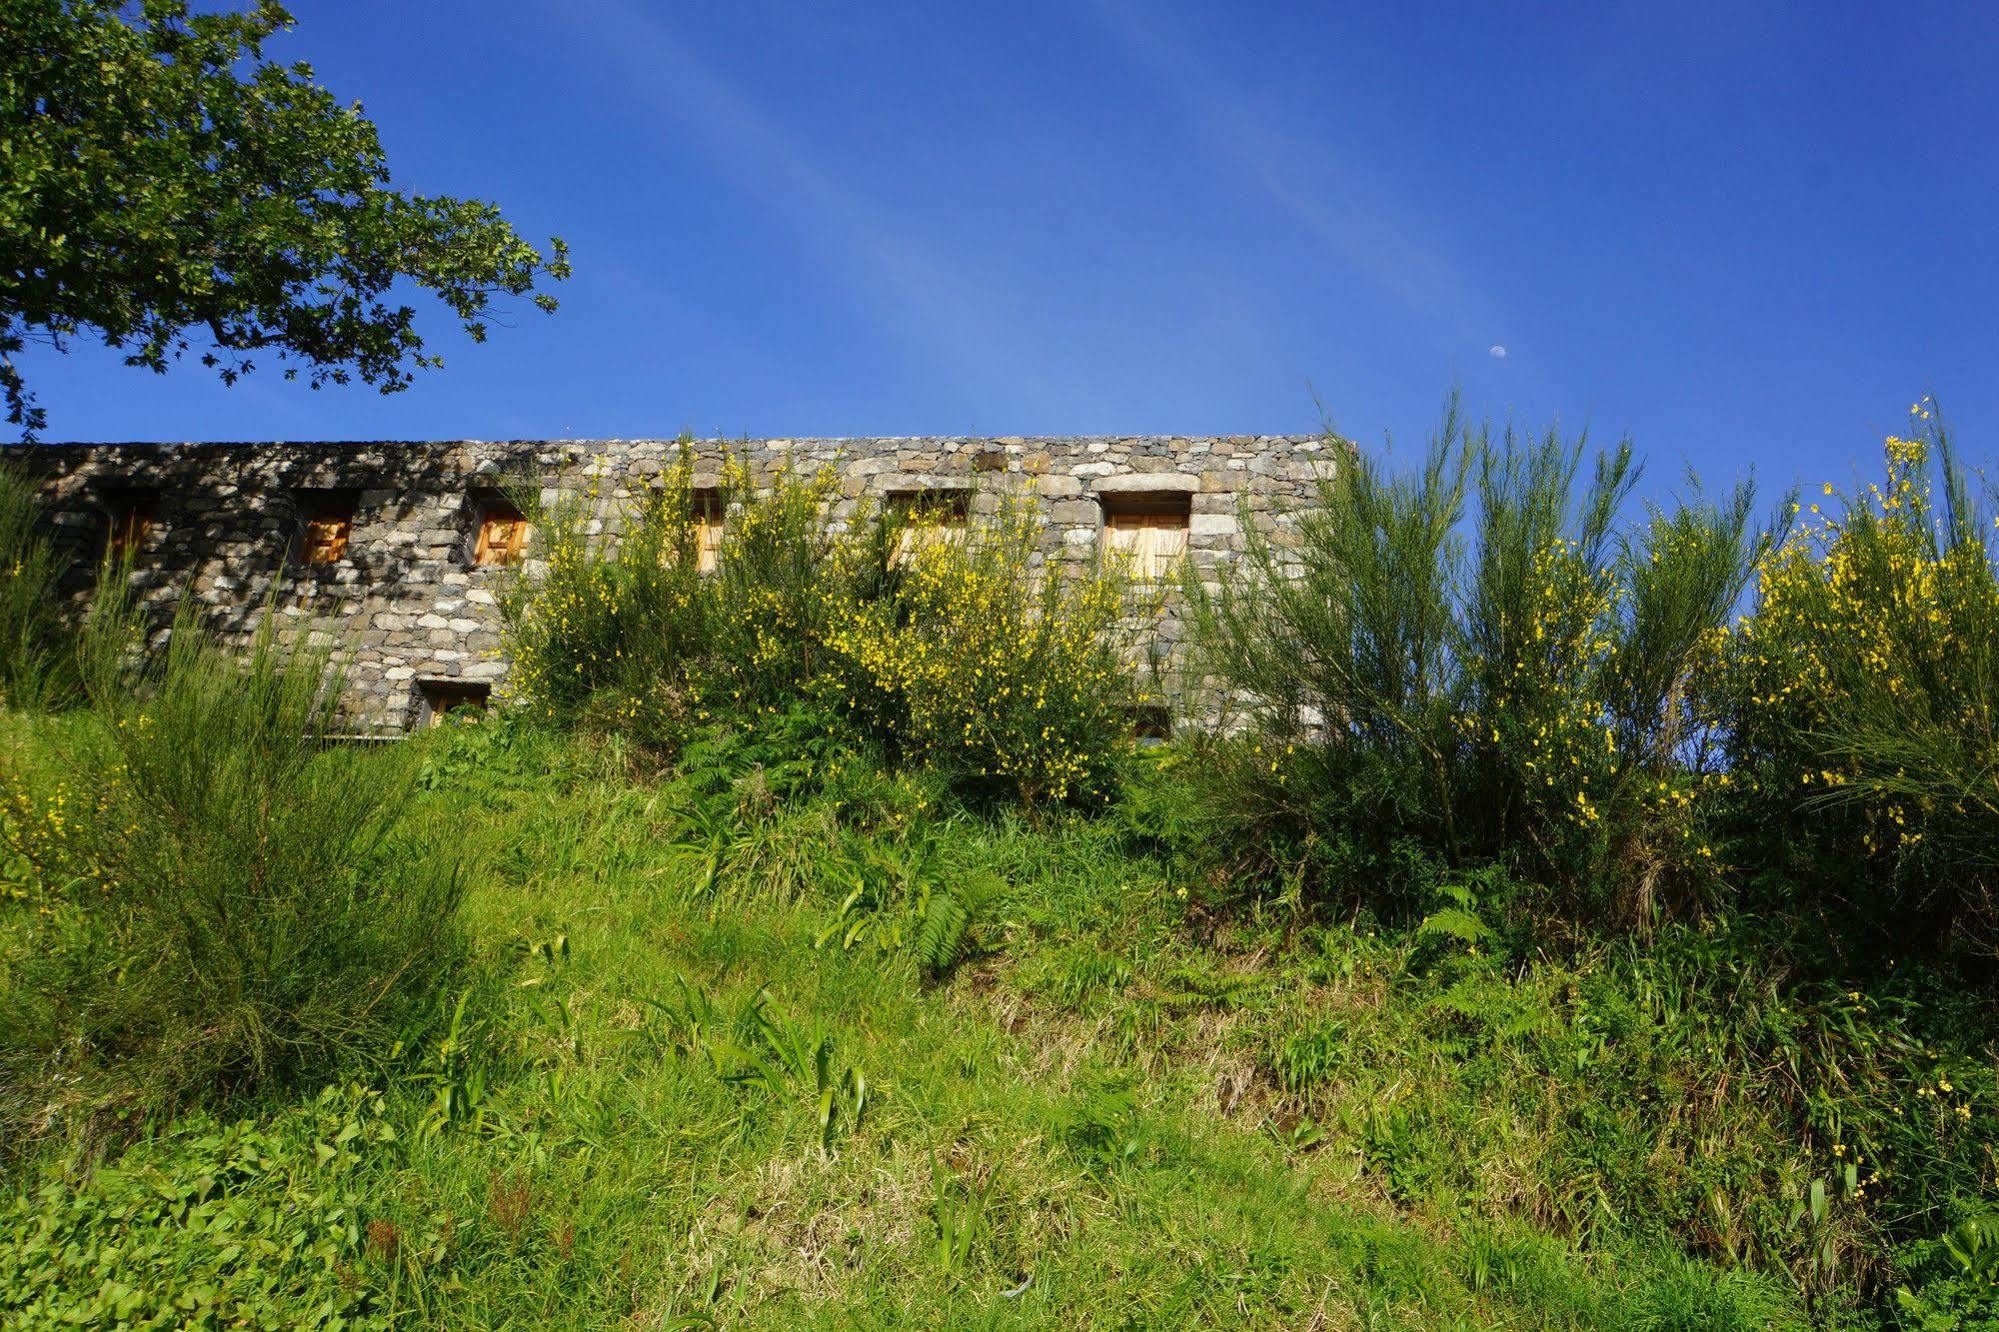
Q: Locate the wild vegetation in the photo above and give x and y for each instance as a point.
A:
(34, 668)
(1520, 687)
(932, 646)
(210, 900)
(1581, 921)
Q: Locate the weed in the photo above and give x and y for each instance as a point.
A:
(510, 1205)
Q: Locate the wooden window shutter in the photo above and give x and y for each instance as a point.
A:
(129, 529)
(326, 539)
(327, 526)
(932, 517)
(131, 522)
(1169, 544)
(503, 534)
(1148, 530)
(438, 699)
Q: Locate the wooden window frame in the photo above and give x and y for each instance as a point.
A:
(499, 534)
(927, 516)
(710, 516)
(438, 698)
(325, 525)
(1149, 528)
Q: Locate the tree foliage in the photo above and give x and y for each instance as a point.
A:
(166, 187)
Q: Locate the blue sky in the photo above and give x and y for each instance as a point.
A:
(1742, 234)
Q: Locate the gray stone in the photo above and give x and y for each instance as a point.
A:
(1146, 482)
(1212, 524)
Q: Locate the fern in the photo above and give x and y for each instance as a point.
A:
(1455, 923)
(1460, 920)
(948, 913)
(940, 938)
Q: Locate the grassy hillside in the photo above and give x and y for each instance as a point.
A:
(702, 1082)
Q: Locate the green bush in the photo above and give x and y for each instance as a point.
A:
(591, 632)
(956, 652)
(1513, 685)
(220, 899)
(626, 633)
(1002, 679)
(1954, 1279)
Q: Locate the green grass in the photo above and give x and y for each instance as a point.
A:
(713, 1076)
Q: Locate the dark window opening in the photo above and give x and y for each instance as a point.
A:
(942, 505)
(438, 699)
(1151, 724)
(130, 516)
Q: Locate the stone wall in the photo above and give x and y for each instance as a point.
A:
(409, 608)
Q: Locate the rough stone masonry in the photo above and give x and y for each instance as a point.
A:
(417, 617)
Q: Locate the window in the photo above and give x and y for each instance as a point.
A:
(502, 533)
(707, 530)
(1149, 530)
(925, 517)
(1151, 725)
(326, 521)
(438, 699)
(130, 515)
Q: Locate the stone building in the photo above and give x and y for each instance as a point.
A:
(399, 550)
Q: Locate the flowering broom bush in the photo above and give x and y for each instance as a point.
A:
(954, 653)
(1862, 698)
(1415, 687)
(1003, 680)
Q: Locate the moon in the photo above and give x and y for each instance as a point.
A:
(1496, 352)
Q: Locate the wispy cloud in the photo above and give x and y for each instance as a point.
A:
(934, 307)
(1353, 213)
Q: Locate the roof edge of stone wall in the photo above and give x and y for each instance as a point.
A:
(737, 441)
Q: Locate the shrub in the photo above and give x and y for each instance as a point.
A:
(1001, 684)
(962, 654)
(1956, 1275)
(786, 571)
(1862, 696)
(623, 631)
(226, 901)
(1516, 687)
(590, 632)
